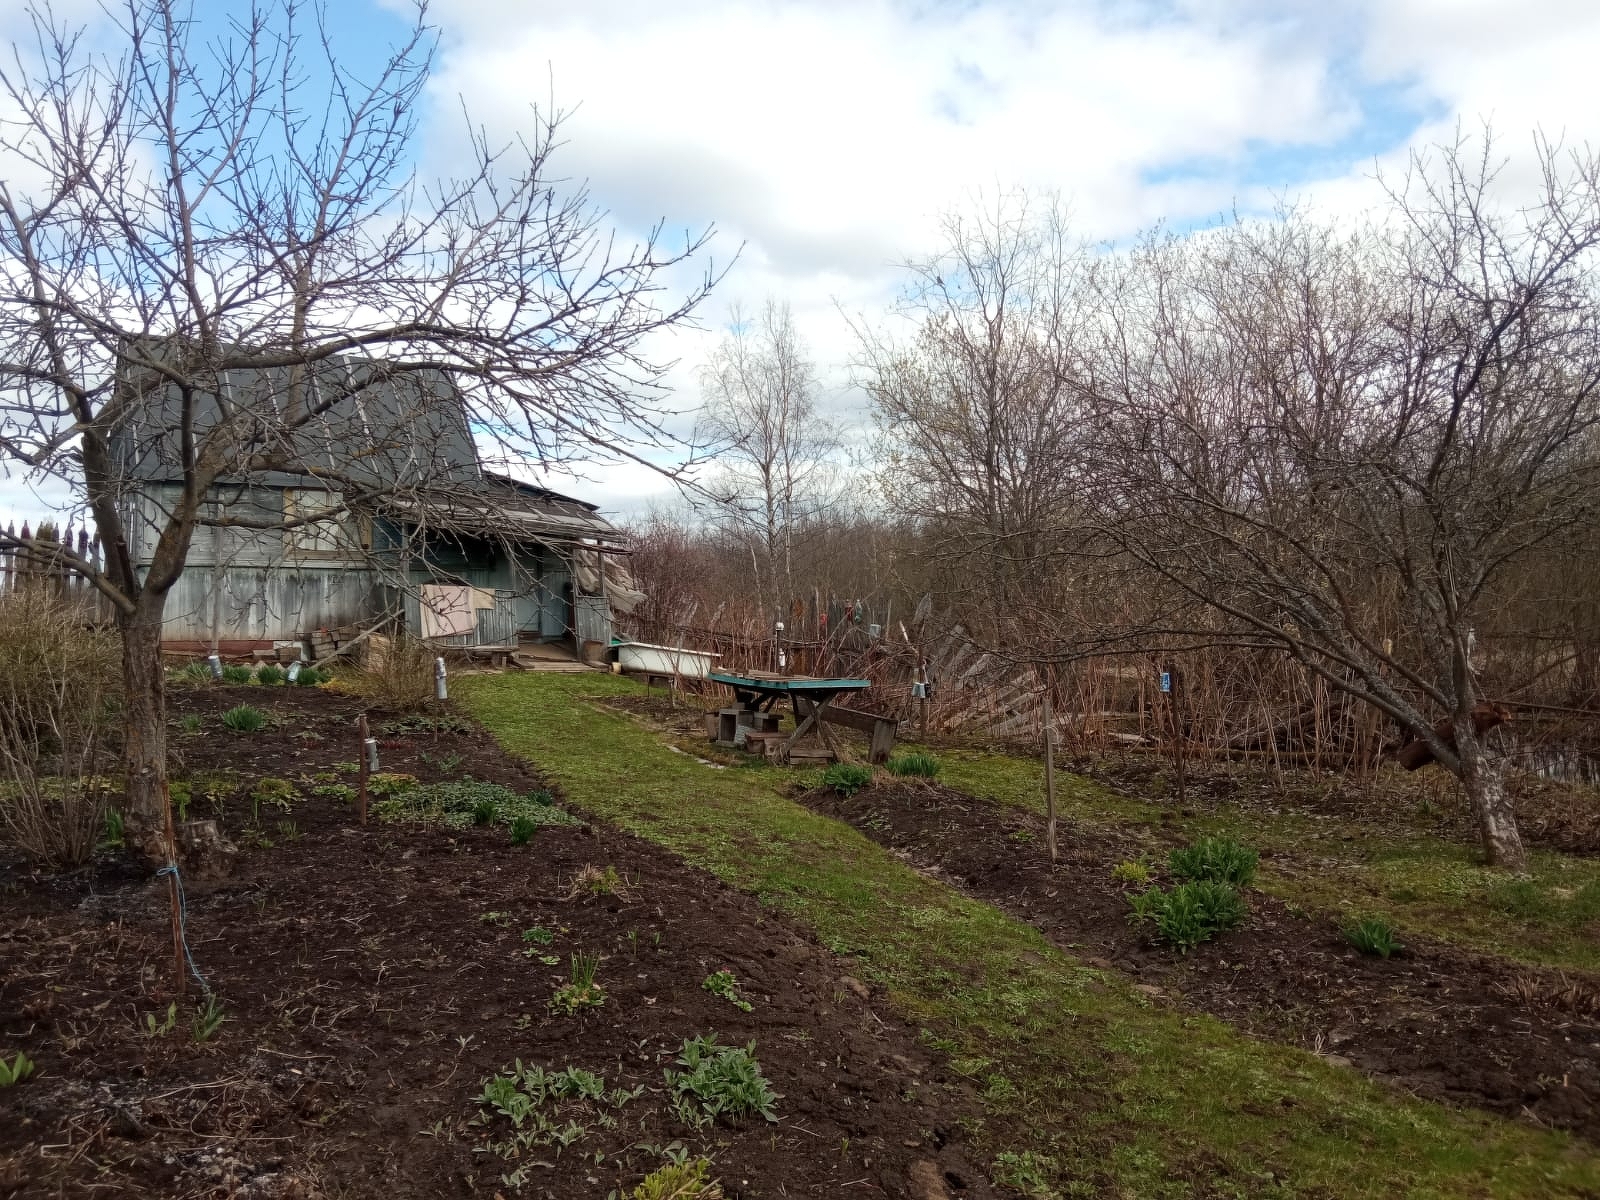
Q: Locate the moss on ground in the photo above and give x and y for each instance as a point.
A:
(1089, 1088)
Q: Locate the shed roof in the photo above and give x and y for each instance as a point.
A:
(402, 435)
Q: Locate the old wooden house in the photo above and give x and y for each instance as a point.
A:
(388, 518)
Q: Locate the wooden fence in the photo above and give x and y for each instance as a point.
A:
(61, 564)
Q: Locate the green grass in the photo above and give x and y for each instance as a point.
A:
(1420, 883)
(1088, 1087)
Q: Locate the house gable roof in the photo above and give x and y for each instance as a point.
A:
(403, 436)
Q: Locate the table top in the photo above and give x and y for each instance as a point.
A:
(761, 681)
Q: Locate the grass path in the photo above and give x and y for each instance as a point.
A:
(1090, 1089)
(1550, 916)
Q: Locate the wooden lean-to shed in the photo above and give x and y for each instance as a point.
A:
(385, 516)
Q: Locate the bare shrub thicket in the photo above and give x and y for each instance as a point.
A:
(60, 686)
(397, 674)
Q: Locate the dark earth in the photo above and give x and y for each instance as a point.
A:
(372, 978)
(1437, 1021)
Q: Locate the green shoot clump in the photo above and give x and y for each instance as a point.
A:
(1216, 858)
(726, 985)
(847, 778)
(679, 1181)
(1130, 871)
(245, 718)
(925, 766)
(719, 1081)
(581, 992)
(1374, 936)
(1190, 913)
(269, 675)
(15, 1071)
(236, 674)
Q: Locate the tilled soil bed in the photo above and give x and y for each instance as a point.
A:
(373, 978)
(1442, 1023)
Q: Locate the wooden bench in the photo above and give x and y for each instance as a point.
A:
(883, 730)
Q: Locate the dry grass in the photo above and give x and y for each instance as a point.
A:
(398, 677)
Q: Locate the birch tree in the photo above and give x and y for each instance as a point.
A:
(774, 448)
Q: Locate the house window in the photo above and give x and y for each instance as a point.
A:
(337, 534)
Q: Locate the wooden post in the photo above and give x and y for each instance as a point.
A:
(361, 728)
(1049, 774)
(1177, 732)
(172, 889)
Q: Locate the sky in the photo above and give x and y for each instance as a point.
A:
(824, 139)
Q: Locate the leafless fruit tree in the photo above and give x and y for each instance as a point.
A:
(179, 207)
(1343, 442)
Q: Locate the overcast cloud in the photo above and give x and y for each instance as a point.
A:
(825, 138)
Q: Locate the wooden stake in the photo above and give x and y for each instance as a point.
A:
(363, 734)
(1177, 733)
(1049, 774)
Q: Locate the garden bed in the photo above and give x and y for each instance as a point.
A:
(371, 980)
(1451, 1025)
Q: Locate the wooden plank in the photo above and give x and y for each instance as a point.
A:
(853, 718)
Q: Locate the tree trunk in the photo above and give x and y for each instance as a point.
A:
(145, 732)
(1485, 784)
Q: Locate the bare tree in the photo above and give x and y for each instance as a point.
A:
(175, 214)
(981, 413)
(1342, 442)
(777, 471)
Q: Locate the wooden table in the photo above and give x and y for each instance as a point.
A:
(759, 691)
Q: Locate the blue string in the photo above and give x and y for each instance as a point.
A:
(183, 924)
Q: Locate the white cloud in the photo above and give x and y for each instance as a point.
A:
(826, 136)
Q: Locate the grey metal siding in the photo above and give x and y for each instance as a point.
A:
(266, 604)
(594, 619)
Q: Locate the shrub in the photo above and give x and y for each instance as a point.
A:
(679, 1181)
(719, 1081)
(1372, 935)
(919, 764)
(522, 830)
(234, 674)
(1129, 871)
(1190, 913)
(847, 778)
(60, 700)
(397, 676)
(245, 718)
(1216, 858)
